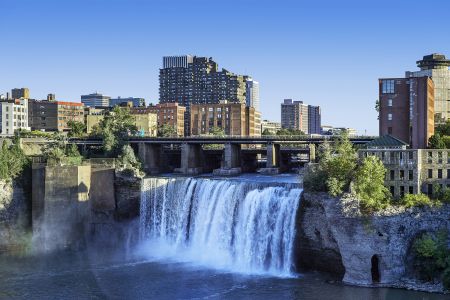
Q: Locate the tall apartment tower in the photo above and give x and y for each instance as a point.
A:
(300, 116)
(407, 109)
(191, 80)
(436, 66)
(314, 120)
(18, 93)
(252, 93)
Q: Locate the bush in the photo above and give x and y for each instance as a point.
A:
(315, 179)
(127, 161)
(12, 160)
(369, 184)
(431, 254)
(411, 200)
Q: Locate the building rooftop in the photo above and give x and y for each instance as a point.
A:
(433, 61)
(386, 142)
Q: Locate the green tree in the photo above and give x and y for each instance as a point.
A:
(369, 184)
(217, 131)
(167, 130)
(436, 141)
(340, 165)
(266, 132)
(12, 160)
(115, 128)
(76, 129)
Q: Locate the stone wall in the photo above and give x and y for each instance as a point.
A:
(331, 228)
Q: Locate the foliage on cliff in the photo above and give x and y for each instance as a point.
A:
(335, 170)
(12, 160)
(432, 257)
(128, 163)
(76, 129)
(114, 129)
(61, 154)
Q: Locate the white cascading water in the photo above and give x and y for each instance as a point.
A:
(240, 226)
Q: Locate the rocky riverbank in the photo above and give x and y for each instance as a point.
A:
(334, 236)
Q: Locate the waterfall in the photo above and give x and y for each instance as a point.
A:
(236, 225)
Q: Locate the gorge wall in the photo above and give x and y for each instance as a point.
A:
(333, 236)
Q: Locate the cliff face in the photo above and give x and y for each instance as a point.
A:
(366, 249)
(14, 215)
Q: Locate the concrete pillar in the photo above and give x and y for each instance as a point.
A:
(191, 159)
(312, 153)
(232, 156)
(273, 156)
(150, 156)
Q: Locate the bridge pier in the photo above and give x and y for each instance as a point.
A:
(150, 156)
(312, 153)
(272, 160)
(231, 164)
(191, 159)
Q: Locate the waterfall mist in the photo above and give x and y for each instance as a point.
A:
(239, 226)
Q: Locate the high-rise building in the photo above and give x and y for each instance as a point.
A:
(236, 119)
(314, 120)
(136, 102)
(436, 66)
(252, 93)
(407, 109)
(95, 99)
(190, 80)
(300, 116)
(14, 116)
(18, 93)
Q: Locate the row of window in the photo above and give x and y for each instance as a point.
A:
(402, 190)
(439, 173)
(401, 175)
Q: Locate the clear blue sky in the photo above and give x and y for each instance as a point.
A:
(327, 53)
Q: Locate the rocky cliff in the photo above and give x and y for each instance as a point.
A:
(15, 208)
(367, 250)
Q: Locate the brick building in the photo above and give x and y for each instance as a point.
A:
(407, 109)
(54, 115)
(234, 118)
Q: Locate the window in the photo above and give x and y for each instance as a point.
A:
(389, 102)
(402, 174)
(210, 109)
(402, 191)
(448, 173)
(389, 117)
(410, 155)
(439, 173)
(410, 175)
(430, 173)
(389, 130)
(440, 157)
(387, 86)
(411, 189)
(392, 190)
(392, 175)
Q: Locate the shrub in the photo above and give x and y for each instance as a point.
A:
(369, 184)
(431, 254)
(411, 200)
(12, 160)
(315, 179)
(127, 161)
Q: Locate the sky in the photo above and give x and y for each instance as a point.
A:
(327, 53)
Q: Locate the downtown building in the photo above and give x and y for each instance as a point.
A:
(13, 116)
(191, 80)
(119, 101)
(235, 119)
(95, 100)
(53, 115)
(411, 107)
(300, 116)
(171, 114)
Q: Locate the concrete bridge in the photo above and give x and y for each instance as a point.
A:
(223, 155)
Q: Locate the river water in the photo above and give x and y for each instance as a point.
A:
(199, 238)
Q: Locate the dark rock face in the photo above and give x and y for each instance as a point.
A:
(128, 196)
(15, 210)
(334, 236)
(316, 247)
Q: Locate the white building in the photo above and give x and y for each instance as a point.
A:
(270, 126)
(95, 99)
(14, 116)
